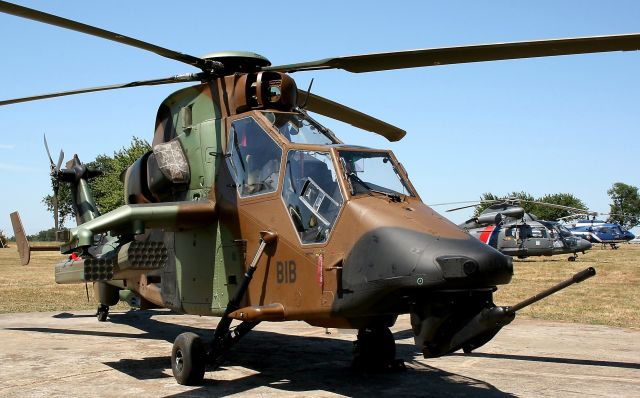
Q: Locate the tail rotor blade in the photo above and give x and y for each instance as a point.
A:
(60, 159)
(55, 168)
(46, 146)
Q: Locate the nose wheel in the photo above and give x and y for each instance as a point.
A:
(375, 350)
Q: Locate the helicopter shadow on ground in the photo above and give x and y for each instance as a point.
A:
(568, 361)
(141, 320)
(69, 315)
(289, 363)
(302, 364)
(308, 365)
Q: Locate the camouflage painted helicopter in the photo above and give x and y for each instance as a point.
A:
(510, 229)
(336, 235)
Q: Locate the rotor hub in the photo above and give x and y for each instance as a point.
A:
(238, 61)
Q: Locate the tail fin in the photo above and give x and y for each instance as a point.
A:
(21, 238)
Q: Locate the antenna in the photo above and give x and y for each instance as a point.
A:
(304, 104)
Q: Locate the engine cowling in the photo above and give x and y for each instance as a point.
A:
(157, 175)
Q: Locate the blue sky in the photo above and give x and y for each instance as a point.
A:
(563, 124)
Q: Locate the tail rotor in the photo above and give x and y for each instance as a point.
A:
(55, 180)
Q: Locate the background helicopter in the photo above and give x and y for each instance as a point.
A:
(322, 230)
(511, 230)
(597, 231)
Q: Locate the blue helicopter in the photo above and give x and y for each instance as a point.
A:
(597, 231)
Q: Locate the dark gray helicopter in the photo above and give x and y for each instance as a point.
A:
(508, 228)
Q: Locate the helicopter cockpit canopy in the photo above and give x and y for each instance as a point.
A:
(311, 194)
(368, 171)
(299, 128)
(564, 232)
(314, 161)
(254, 158)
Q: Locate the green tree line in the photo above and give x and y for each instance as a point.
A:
(624, 207)
(535, 205)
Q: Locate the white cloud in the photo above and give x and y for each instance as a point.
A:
(5, 146)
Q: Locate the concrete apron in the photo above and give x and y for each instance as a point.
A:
(72, 354)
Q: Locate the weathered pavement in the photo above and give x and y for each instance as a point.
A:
(72, 354)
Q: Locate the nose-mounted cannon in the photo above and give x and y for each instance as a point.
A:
(439, 334)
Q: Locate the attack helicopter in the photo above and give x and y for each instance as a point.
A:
(507, 227)
(250, 210)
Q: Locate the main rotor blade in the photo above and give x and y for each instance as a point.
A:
(46, 147)
(466, 54)
(477, 202)
(28, 13)
(555, 206)
(460, 208)
(334, 110)
(188, 77)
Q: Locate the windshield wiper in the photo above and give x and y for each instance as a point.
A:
(392, 196)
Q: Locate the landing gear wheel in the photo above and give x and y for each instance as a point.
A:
(572, 258)
(103, 311)
(375, 350)
(188, 359)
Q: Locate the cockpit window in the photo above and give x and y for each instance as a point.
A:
(254, 158)
(311, 194)
(538, 233)
(564, 232)
(368, 172)
(298, 128)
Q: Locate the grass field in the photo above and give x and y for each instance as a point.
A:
(32, 288)
(612, 297)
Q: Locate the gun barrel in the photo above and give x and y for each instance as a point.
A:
(577, 278)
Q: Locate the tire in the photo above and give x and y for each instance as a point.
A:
(102, 313)
(374, 350)
(188, 359)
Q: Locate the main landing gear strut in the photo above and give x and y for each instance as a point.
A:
(107, 295)
(190, 354)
